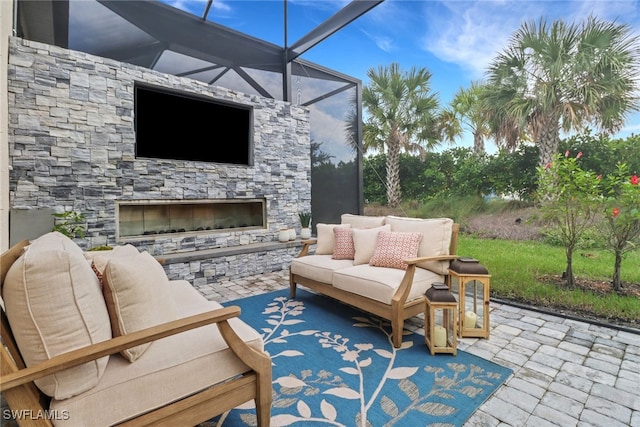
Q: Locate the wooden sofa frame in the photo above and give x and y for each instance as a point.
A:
(21, 394)
(399, 310)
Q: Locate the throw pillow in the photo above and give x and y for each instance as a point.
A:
(326, 238)
(364, 242)
(394, 247)
(136, 290)
(54, 305)
(343, 248)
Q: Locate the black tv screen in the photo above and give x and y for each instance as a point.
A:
(182, 126)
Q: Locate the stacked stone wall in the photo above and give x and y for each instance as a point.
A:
(72, 147)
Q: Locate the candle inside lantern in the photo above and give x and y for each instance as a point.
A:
(440, 336)
(470, 319)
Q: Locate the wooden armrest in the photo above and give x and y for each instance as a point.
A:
(115, 345)
(431, 258)
(305, 246)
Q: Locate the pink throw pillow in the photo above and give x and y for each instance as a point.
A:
(343, 247)
(393, 247)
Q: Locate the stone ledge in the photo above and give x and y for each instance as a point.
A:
(196, 255)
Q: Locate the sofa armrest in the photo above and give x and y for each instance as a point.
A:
(402, 293)
(411, 261)
(306, 245)
(117, 344)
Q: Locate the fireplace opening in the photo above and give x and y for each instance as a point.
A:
(155, 217)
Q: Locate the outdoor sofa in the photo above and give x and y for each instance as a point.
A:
(382, 265)
(142, 351)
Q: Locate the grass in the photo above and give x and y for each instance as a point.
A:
(516, 268)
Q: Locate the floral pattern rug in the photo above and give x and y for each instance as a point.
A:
(336, 366)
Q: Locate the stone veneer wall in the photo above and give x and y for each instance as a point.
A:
(72, 147)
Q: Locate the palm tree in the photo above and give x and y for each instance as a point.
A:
(467, 107)
(401, 115)
(563, 77)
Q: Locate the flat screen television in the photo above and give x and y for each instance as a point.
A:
(182, 126)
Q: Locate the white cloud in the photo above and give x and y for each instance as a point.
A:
(384, 43)
(471, 33)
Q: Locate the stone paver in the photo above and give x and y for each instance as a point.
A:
(565, 372)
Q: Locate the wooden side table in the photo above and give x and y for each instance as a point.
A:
(440, 320)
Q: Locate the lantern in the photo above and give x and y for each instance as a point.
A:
(440, 320)
(470, 280)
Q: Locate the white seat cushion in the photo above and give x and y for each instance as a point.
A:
(319, 267)
(380, 283)
(170, 369)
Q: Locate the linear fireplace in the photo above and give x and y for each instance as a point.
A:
(144, 218)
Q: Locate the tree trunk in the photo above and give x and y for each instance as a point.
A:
(569, 271)
(478, 144)
(548, 140)
(617, 283)
(393, 175)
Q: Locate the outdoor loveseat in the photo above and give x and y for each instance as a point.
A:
(143, 351)
(380, 264)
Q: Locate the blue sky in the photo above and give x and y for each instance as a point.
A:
(454, 40)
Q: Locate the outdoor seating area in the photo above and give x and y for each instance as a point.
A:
(200, 226)
(564, 369)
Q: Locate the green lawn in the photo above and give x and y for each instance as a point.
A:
(516, 266)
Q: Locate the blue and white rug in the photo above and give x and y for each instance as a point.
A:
(336, 366)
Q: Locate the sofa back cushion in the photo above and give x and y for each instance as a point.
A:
(54, 305)
(362, 221)
(436, 238)
(136, 290)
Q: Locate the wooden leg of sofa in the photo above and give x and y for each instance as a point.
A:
(263, 405)
(397, 327)
(292, 286)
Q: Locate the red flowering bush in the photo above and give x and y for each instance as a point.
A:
(568, 198)
(621, 206)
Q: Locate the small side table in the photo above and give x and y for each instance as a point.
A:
(440, 320)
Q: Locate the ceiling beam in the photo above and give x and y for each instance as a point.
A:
(188, 34)
(342, 18)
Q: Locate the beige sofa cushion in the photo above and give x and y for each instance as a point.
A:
(171, 368)
(318, 267)
(364, 242)
(326, 239)
(136, 290)
(436, 238)
(362, 221)
(54, 305)
(380, 283)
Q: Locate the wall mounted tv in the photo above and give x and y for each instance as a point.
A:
(183, 126)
